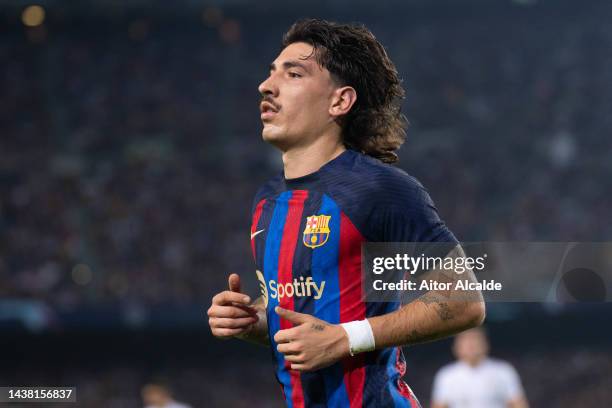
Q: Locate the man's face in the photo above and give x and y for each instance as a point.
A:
(296, 98)
(471, 346)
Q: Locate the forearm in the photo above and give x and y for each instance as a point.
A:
(425, 319)
(433, 316)
(258, 333)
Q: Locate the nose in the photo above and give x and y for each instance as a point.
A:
(268, 87)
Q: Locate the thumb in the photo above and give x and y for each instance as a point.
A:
(234, 282)
(292, 316)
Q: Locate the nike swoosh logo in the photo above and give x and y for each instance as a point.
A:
(253, 234)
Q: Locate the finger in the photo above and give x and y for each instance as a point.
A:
(285, 336)
(294, 358)
(233, 312)
(292, 316)
(299, 367)
(234, 282)
(247, 308)
(224, 323)
(226, 332)
(227, 297)
(287, 348)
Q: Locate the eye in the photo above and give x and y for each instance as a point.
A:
(294, 75)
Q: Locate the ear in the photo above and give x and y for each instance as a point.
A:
(343, 100)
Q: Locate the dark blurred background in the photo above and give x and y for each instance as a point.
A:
(130, 151)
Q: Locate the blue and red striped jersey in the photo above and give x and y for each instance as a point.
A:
(306, 238)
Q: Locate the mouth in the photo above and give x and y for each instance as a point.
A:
(268, 110)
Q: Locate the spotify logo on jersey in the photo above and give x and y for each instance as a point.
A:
(299, 287)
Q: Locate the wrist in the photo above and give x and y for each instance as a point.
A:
(342, 345)
(360, 336)
(246, 333)
(254, 334)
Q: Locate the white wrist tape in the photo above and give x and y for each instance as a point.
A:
(360, 336)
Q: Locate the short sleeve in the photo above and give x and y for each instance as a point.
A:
(512, 387)
(415, 219)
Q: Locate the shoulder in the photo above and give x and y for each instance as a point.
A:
(500, 366)
(365, 175)
(448, 371)
(366, 188)
(383, 186)
(386, 203)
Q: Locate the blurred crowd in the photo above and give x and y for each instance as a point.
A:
(131, 148)
(559, 378)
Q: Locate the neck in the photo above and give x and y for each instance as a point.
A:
(303, 160)
(475, 362)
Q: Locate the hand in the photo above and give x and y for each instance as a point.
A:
(230, 314)
(312, 343)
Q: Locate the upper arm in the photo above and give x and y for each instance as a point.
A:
(454, 269)
(466, 307)
(408, 214)
(513, 390)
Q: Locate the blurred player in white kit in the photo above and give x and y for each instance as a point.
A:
(159, 396)
(476, 380)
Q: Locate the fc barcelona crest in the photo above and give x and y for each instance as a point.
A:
(316, 232)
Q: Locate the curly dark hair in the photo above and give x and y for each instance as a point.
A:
(354, 57)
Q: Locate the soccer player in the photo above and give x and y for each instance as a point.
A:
(331, 105)
(475, 380)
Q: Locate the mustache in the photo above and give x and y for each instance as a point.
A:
(269, 100)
